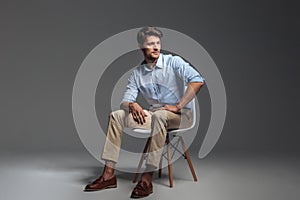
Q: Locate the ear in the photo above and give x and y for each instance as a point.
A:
(140, 46)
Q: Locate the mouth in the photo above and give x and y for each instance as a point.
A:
(155, 53)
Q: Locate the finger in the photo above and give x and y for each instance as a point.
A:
(140, 119)
(134, 117)
(143, 114)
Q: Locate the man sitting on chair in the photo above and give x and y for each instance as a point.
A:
(161, 79)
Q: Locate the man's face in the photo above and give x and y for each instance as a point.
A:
(151, 47)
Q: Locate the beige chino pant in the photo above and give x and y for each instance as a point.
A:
(158, 121)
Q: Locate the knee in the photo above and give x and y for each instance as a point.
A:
(160, 115)
(117, 115)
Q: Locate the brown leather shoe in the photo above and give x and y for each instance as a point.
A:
(101, 184)
(142, 190)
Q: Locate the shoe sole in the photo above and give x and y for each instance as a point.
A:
(107, 187)
(137, 196)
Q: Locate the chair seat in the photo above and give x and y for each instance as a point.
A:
(137, 132)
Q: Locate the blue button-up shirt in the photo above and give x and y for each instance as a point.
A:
(164, 84)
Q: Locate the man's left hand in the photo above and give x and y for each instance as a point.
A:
(173, 109)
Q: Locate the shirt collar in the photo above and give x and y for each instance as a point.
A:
(159, 63)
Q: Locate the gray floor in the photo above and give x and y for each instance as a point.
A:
(63, 176)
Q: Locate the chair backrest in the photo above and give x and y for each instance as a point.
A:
(194, 115)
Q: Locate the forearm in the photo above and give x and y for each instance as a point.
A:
(125, 105)
(192, 89)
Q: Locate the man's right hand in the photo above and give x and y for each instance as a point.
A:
(137, 113)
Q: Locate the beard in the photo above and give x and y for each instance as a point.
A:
(154, 55)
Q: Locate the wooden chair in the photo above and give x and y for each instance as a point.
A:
(168, 144)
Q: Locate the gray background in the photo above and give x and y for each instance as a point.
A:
(255, 45)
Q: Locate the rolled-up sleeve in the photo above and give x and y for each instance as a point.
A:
(186, 71)
(131, 91)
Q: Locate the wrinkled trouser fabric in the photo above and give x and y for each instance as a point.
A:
(158, 121)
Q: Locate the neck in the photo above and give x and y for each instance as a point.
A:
(151, 62)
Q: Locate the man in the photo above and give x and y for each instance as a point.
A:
(162, 80)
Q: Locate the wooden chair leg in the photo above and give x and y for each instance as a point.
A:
(160, 166)
(188, 158)
(169, 161)
(141, 160)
